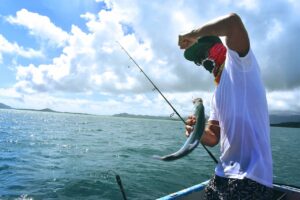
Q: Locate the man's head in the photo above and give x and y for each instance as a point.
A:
(199, 51)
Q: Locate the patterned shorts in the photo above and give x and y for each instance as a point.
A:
(220, 188)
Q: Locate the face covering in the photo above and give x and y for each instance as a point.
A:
(215, 61)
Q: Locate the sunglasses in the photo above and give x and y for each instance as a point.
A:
(207, 63)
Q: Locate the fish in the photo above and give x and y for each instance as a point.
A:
(194, 138)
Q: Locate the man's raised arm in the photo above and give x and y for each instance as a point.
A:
(230, 26)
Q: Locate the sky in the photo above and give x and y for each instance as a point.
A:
(63, 54)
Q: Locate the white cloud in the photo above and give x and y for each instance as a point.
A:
(284, 101)
(278, 101)
(275, 30)
(14, 49)
(251, 5)
(294, 3)
(91, 62)
(40, 26)
(136, 104)
(10, 94)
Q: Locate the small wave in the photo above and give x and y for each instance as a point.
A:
(16, 187)
(4, 167)
(121, 155)
(24, 197)
(84, 188)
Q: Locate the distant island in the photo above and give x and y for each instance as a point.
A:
(288, 121)
(283, 124)
(145, 116)
(42, 110)
(274, 118)
(287, 124)
(4, 106)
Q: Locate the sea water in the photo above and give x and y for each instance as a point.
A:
(46, 155)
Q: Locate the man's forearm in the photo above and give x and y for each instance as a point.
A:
(230, 26)
(218, 27)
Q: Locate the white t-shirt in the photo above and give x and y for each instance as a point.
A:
(239, 104)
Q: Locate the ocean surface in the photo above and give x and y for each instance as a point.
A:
(69, 156)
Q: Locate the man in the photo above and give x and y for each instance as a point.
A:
(239, 118)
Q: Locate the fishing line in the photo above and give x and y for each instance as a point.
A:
(156, 88)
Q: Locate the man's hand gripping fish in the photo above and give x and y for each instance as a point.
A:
(193, 139)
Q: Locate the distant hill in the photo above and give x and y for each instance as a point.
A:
(292, 121)
(144, 116)
(287, 124)
(47, 110)
(3, 106)
(280, 118)
(42, 110)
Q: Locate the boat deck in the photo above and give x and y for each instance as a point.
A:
(196, 192)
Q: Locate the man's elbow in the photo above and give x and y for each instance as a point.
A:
(235, 17)
(234, 21)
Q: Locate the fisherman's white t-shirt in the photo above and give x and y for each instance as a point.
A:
(239, 104)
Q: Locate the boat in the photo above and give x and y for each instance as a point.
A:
(196, 192)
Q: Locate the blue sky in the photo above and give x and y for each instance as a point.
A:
(62, 54)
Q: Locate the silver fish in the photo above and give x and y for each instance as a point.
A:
(193, 140)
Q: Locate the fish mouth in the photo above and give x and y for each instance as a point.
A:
(197, 100)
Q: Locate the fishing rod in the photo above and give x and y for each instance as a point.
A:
(209, 153)
(118, 180)
(152, 83)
